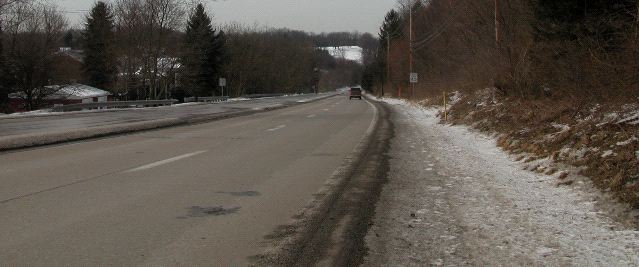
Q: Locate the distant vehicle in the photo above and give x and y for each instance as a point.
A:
(355, 92)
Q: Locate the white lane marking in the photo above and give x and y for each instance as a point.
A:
(325, 109)
(371, 127)
(311, 116)
(166, 161)
(276, 128)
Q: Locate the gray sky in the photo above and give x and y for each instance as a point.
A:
(309, 15)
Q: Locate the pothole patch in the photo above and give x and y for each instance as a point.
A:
(197, 211)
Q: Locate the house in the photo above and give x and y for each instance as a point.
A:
(63, 95)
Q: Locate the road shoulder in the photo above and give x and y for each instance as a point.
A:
(454, 198)
(331, 229)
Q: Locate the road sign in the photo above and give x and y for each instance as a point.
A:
(222, 82)
(414, 78)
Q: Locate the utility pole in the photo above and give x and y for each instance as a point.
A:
(387, 60)
(410, 59)
(497, 24)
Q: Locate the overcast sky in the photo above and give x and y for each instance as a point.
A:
(309, 15)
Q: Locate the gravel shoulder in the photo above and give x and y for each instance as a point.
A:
(453, 198)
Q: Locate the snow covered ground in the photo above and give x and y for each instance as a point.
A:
(353, 53)
(454, 198)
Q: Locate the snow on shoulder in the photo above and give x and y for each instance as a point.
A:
(458, 199)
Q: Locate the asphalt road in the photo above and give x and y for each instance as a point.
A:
(206, 194)
(20, 125)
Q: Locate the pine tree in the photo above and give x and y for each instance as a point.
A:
(5, 78)
(100, 63)
(391, 28)
(68, 39)
(204, 50)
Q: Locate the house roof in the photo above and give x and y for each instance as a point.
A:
(76, 91)
(72, 91)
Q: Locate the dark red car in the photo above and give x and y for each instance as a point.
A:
(355, 92)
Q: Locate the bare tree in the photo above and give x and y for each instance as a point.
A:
(146, 34)
(162, 18)
(34, 32)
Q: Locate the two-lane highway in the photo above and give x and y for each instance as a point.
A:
(199, 195)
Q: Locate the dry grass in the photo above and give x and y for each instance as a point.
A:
(574, 132)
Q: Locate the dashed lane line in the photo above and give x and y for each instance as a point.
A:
(166, 161)
(276, 128)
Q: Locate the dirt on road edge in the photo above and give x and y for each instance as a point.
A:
(332, 228)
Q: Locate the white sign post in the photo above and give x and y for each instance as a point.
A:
(414, 77)
(222, 84)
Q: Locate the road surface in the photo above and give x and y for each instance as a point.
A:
(17, 125)
(199, 195)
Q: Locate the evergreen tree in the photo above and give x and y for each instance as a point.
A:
(391, 28)
(203, 56)
(5, 78)
(68, 39)
(100, 63)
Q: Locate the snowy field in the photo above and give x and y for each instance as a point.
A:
(454, 198)
(353, 53)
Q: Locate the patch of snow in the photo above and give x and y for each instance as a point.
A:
(561, 127)
(238, 99)
(574, 154)
(457, 96)
(353, 53)
(607, 153)
(608, 118)
(632, 118)
(627, 142)
(520, 213)
(185, 104)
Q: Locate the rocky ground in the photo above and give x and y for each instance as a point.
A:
(453, 198)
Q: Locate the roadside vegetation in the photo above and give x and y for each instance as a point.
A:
(162, 49)
(555, 79)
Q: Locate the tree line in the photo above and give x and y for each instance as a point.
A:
(524, 48)
(160, 49)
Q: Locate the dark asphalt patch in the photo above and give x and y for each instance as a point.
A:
(197, 211)
(242, 194)
(324, 155)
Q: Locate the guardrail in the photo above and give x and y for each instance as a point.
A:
(207, 99)
(262, 95)
(225, 98)
(114, 104)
